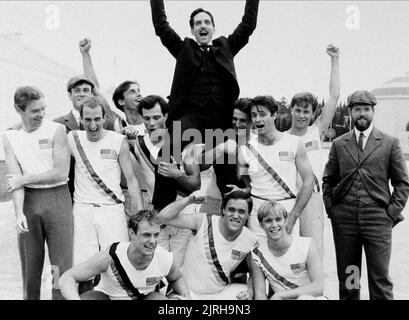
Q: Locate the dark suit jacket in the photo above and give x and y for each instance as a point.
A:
(381, 161)
(188, 59)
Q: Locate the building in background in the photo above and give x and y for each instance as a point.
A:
(392, 110)
(21, 65)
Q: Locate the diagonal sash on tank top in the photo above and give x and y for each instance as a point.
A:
(121, 275)
(211, 253)
(272, 273)
(270, 170)
(317, 184)
(144, 152)
(91, 170)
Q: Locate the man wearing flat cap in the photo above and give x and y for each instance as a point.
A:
(79, 88)
(359, 202)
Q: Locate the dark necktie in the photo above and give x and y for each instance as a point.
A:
(361, 142)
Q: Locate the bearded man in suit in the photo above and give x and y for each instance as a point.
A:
(359, 202)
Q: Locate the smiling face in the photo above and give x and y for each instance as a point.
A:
(146, 237)
(154, 118)
(362, 115)
(203, 28)
(132, 97)
(241, 122)
(262, 119)
(79, 94)
(235, 215)
(33, 115)
(301, 116)
(93, 120)
(274, 225)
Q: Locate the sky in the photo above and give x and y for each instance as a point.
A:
(285, 55)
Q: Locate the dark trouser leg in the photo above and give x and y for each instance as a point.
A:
(376, 229)
(58, 229)
(31, 246)
(165, 188)
(348, 250)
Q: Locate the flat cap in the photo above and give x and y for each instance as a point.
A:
(361, 97)
(81, 78)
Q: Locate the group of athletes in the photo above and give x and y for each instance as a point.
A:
(128, 211)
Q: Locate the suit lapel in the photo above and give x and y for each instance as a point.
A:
(71, 122)
(351, 145)
(374, 141)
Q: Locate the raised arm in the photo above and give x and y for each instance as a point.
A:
(131, 181)
(18, 194)
(61, 165)
(85, 47)
(303, 166)
(171, 213)
(325, 119)
(169, 38)
(96, 265)
(240, 36)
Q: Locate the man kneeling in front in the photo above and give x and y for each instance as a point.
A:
(129, 270)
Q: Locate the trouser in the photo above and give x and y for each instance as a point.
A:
(356, 225)
(49, 218)
(165, 188)
(96, 228)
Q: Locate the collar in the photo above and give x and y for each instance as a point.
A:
(76, 114)
(366, 133)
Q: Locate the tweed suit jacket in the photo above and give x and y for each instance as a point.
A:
(380, 163)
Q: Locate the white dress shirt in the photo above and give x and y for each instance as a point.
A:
(366, 133)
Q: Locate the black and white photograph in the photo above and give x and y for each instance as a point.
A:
(204, 150)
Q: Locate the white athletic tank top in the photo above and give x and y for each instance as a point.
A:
(280, 157)
(313, 146)
(198, 269)
(103, 157)
(34, 150)
(288, 271)
(143, 280)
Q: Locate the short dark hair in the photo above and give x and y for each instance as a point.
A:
(25, 95)
(243, 104)
(150, 101)
(92, 102)
(265, 101)
(303, 99)
(119, 92)
(150, 216)
(238, 195)
(268, 207)
(197, 11)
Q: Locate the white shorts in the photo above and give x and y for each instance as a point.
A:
(95, 228)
